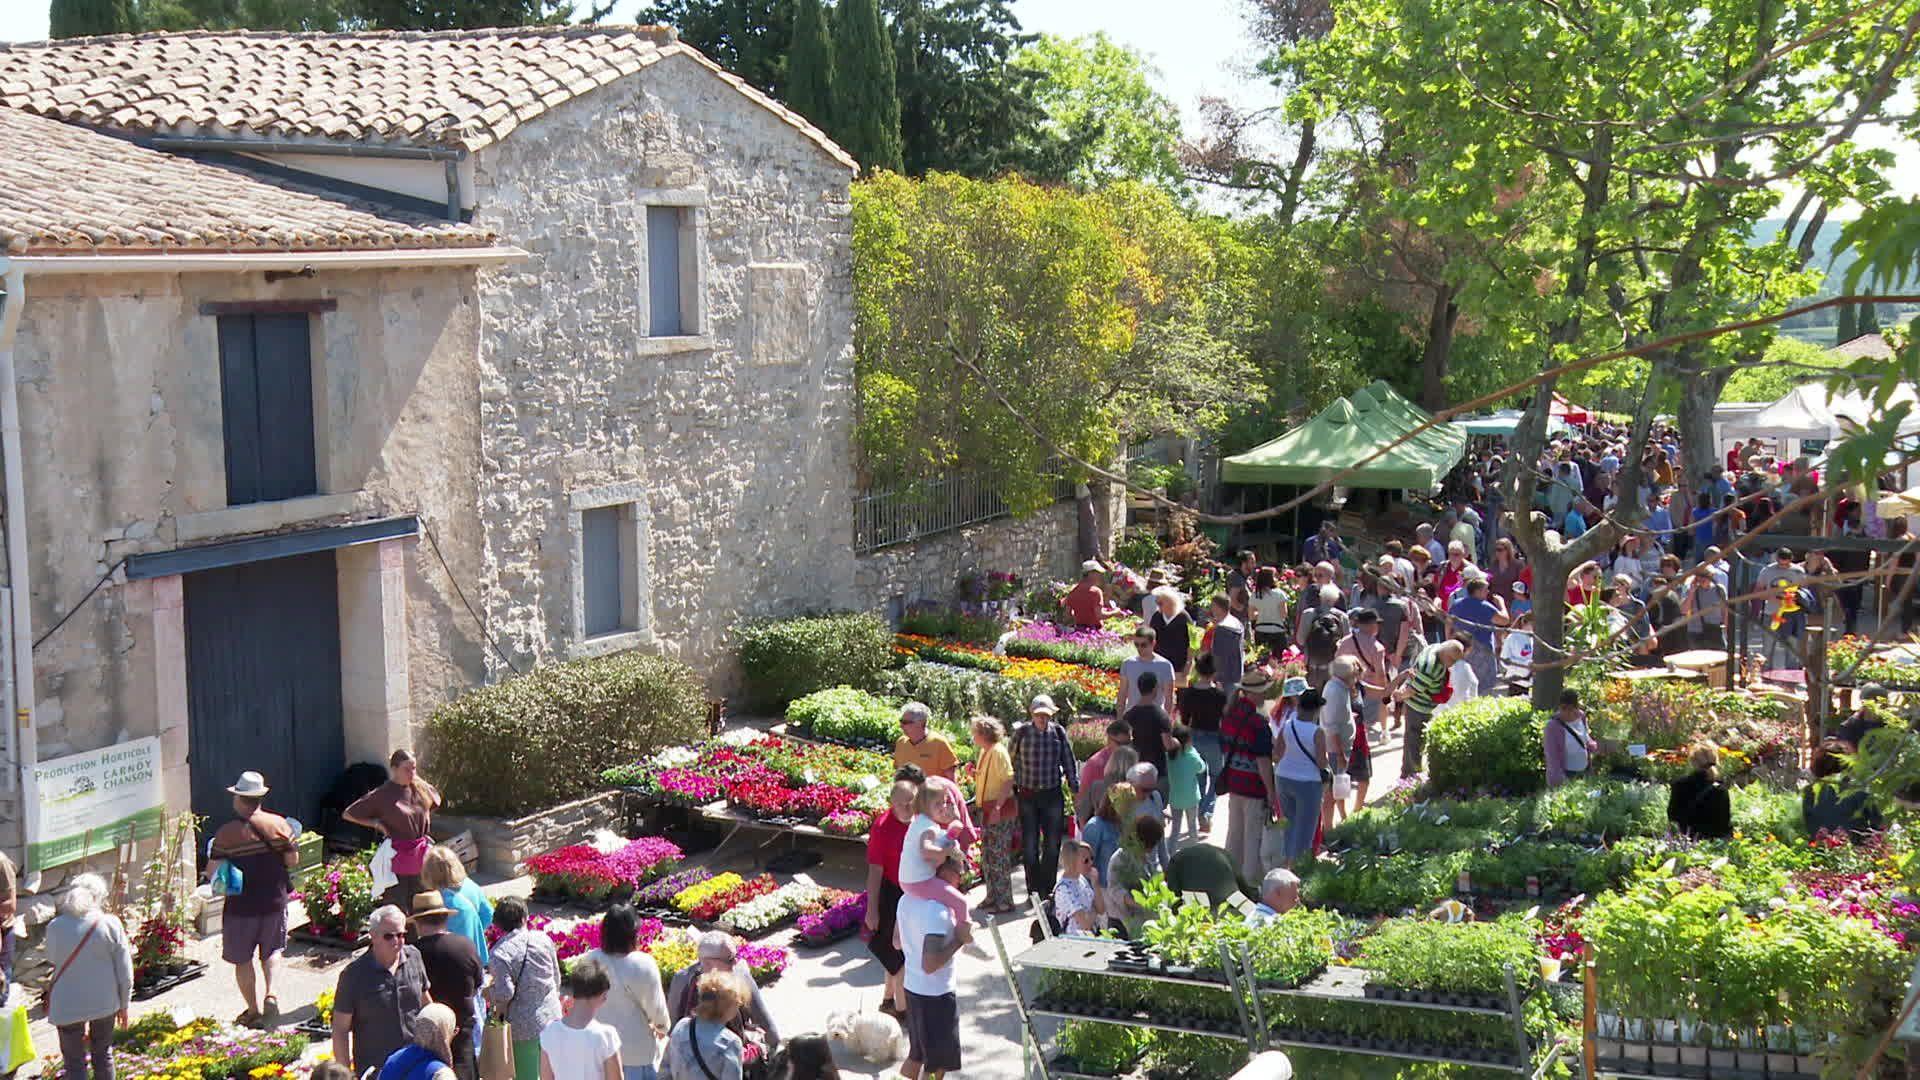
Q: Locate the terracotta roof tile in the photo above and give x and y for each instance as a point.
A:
(70, 190)
(432, 88)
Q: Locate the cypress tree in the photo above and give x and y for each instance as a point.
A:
(87, 18)
(810, 64)
(866, 102)
(1869, 319)
(1849, 327)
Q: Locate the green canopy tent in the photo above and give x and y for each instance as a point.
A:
(1385, 410)
(1339, 438)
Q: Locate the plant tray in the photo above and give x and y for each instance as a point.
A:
(1205, 1025)
(792, 862)
(313, 1029)
(160, 985)
(1375, 992)
(829, 939)
(1066, 1068)
(326, 941)
(1645, 1059)
(565, 899)
(1484, 1056)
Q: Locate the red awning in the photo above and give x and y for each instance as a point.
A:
(1568, 411)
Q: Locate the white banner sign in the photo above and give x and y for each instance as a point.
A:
(96, 801)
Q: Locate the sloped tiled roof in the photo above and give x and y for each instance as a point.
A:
(71, 190)
(464, 89)
(1868, 346)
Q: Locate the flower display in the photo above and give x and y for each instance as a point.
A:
(720, 902)
(162, 1046)
(687, 787)
(686, 900)
(339, 897)
(762, 913)
(844, 915)
(765, 961)
(764, 777)
(847, 823)
(587, 872)
(660, 894)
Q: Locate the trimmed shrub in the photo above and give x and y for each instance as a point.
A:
(848, 715)
(790, 658)
(1489, 742)
(544, 738)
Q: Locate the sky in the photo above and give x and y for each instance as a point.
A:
(1198, 48)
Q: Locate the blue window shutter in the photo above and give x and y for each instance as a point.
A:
(266, 407)
(600, 569)
(239, 409)
(663, 271)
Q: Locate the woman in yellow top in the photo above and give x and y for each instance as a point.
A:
(999, 818)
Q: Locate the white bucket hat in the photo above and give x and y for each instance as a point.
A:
(251, 784)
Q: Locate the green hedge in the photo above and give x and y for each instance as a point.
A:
(791, 658)
(1489, 742)
(544, 738)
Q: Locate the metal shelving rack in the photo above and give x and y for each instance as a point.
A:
(1092, 956)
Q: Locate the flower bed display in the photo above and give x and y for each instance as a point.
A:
(1102, 649)
(763, 914)
(671, 949)
(957, 653)
(659, 895)
(718, 902)
(595, 874)
(769, 778)
(955, 694)
(845, 715)
(163, 1046)
(839, 920)
(686, 900)
(1856, 660)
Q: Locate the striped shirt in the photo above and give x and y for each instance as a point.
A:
(1429, 676)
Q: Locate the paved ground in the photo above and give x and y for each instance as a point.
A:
(819, 985)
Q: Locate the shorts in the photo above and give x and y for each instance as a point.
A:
(243, 935)
(933, 1031)
(1360, 767)
(881, 944)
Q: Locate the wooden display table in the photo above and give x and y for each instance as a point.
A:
(1710, 663)
(1652, 673)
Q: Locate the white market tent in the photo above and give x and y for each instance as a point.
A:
(1502, 422)
(1810, 412)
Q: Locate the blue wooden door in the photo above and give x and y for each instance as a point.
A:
(263, 682)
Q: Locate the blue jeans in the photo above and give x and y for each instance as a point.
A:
(640, 1072)
(1300, 801)
(1207, 745)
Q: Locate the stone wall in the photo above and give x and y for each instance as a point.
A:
(1037, 547)
(735, 439)
(119, 382)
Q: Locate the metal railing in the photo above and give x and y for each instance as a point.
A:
(904, 515)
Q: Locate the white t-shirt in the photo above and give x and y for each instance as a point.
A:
(913, 865)
(1070, 895)
(920, 919)
(579, 1053)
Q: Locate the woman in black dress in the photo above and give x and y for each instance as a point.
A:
(1170, 624)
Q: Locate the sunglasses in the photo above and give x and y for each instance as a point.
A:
(395, 936)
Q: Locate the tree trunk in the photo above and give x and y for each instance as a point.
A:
(1549, 630)
(1699, 393)
(1439, 350)
(1291, 188)
(1086, 540)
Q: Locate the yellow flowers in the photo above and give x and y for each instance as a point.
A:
(693, 896)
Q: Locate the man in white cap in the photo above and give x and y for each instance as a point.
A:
(1086, 603)
(261, 847)
(1042, 761)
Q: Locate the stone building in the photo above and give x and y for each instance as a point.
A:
(569, 316)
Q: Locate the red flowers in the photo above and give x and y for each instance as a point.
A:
(714, 906)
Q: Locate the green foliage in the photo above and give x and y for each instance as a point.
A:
(1096, 85)
(964, 106)
(866, 102)
(293, 15)
(1578, 811)
(789, 658)
(847, 715)
(89, 18)
(1070, 653)
(952, 624)
(1137, 547)
(462, 14)
(1364, 883)
(750, 38)
(1789, 363)
(1101, 1049)
(1457, 958)
(1489, 742)
(810, 64)
(1091, 317)
(543, 738)
(1287, 951)
(956, 694)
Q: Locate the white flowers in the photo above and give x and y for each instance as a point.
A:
(762, 912)
(674, 757)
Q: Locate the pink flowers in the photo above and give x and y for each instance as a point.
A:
(583, 871)
(1092, 638)
(688, 787)
(843, 916)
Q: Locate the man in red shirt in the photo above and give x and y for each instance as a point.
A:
(1246, 778)
(1087, 602)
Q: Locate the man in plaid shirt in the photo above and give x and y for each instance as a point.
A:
(1042, 760)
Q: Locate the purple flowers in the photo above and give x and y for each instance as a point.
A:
(688, 787)
(660, 892)
(767, 962)
(839, 918)
(1092, 638)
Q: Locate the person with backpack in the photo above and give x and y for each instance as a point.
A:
(1322, 627)
(1567, 744)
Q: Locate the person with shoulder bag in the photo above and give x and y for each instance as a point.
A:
(92, 984)
(703, 1045)
(258, 848)
(524, 984)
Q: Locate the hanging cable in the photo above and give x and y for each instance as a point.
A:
(75, 609)
(457, 591)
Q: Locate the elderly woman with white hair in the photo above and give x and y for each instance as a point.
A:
(716, 950)
(92, 983)
(1172, 630)
(428, 1056)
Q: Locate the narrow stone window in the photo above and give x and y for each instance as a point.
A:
(668, 310)
(607, 566)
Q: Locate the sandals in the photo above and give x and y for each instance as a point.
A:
(270, 1008)
(247, 1019)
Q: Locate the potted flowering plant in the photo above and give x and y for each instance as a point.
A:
(836, 923)
(338, 897)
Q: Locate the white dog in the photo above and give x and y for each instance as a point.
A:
(876, 1037)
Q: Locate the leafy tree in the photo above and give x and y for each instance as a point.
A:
(751, 38)
(999, 319)
(1848, 329)
(1614, 145)
(964, 107)
(1869, 319)
(88, 18)
(810, 64)
(291, 15)
(866, 103)
(466, 14)
(1093, 84)
(1789, 363)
